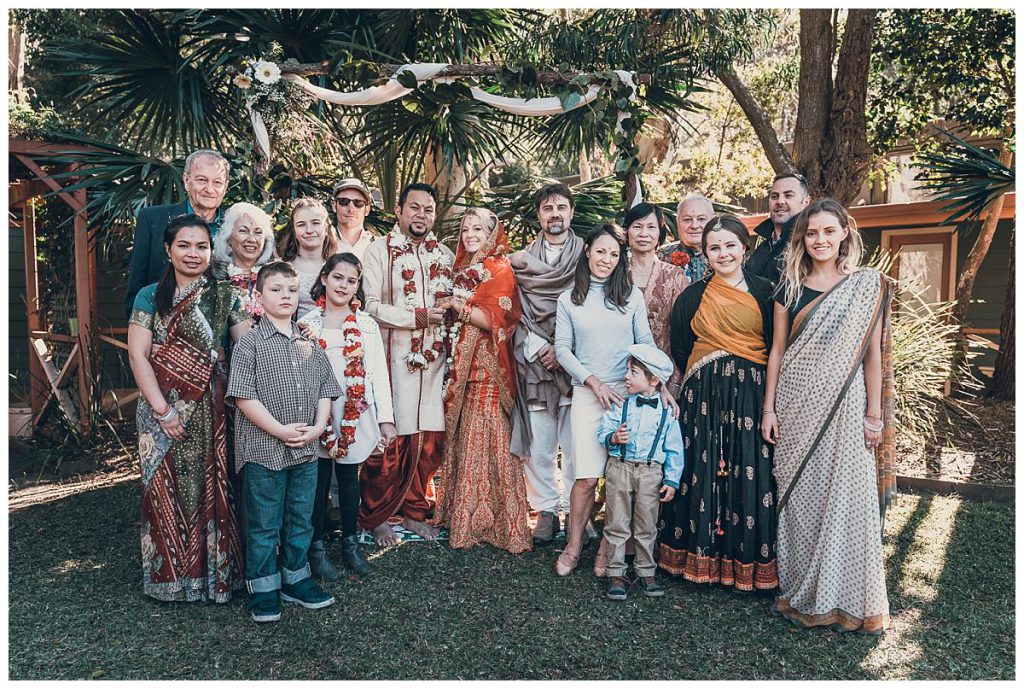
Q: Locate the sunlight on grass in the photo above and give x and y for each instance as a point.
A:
(897, 652)
(927, 558)
(70, 566)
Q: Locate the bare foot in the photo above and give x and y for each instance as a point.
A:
(421, 529)
(384, 535)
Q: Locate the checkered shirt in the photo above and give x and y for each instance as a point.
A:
(289, 375)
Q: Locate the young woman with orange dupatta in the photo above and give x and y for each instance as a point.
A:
(481, 495)
(720, 529)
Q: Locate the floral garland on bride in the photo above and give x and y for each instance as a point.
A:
(439, 284)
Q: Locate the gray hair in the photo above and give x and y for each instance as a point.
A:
(207, 153)
(700, 198)
(223, 256)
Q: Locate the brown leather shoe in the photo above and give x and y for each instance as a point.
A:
(545, 529)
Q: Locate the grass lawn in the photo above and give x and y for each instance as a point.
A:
(76, 611)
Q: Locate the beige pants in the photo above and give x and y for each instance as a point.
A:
(631, 509)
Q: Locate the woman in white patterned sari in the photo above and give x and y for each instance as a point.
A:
(828, 408)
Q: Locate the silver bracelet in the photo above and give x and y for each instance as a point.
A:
(873, 428)
(171, 413)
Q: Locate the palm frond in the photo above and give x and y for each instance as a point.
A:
(966, 176)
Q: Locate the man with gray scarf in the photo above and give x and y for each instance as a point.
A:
(540, 415)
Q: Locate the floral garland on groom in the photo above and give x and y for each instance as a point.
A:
(439, 284)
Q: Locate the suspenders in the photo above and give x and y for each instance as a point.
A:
(657, 436)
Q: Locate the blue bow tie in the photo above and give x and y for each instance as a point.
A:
(651, 402)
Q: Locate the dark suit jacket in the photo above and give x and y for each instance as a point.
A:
(148, 254)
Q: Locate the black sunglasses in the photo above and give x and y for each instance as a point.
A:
(344, 201)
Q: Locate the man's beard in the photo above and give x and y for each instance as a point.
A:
(417, 235)
(556, 228)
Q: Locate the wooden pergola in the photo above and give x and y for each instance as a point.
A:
(47, 382)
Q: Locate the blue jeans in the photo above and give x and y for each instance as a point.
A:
(279, 506)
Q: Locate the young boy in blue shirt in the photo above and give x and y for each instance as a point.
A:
(645, 461)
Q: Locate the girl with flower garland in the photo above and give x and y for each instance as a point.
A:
(307, 244)
(362, 419)
(243, 245)
(482, 491)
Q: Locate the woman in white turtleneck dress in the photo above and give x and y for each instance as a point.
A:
(596, 321)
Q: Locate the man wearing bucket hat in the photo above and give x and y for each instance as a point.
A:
(645, 463)
(352, 203)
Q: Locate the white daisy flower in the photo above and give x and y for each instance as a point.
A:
(267, 72)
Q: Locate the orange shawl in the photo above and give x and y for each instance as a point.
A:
(728, 319)
(498, 298)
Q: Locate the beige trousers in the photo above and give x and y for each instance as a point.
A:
(631, 509)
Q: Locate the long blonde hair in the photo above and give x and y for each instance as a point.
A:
(797, 265)
(288, 247)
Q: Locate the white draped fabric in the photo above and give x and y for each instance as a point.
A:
(393, 90)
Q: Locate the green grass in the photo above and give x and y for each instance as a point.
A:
(76, 611)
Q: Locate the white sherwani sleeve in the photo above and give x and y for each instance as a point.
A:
(375, 271)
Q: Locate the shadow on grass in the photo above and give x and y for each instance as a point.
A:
(76, 611)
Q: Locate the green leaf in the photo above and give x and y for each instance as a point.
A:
(407, 79)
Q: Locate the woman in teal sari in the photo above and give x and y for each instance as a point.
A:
(190, 543)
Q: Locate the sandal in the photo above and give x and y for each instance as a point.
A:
(562, 569)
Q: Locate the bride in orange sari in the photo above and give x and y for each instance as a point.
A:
(482, 492)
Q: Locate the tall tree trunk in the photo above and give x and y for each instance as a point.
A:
(1003, 385)
(846, 155)
(16, 61)
(817, 46)
(965, 285)
(585, 173)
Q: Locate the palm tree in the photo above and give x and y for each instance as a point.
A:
(974, 182)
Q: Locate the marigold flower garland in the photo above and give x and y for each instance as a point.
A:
(439, 284)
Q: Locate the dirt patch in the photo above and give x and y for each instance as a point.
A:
(974, 442)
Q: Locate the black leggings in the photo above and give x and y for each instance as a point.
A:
(348, 496)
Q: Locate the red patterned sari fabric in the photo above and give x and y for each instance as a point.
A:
(191, 548)
(482, 488)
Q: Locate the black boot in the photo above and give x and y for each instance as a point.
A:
(352, 558)
(319, 564)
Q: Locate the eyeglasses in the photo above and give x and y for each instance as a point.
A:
(343, 201)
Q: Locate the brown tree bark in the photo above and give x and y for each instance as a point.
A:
(817, 47)
(16, 39)
(778, 156)
(1003, 385)
(846, 155)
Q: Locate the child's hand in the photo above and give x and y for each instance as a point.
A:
(621, 435)
(667, 493)
(306, 435)
(288, 432)
(388, 434)
(305, 330)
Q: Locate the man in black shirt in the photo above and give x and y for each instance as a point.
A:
(788, 196)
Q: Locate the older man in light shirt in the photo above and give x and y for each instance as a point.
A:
(693, 213)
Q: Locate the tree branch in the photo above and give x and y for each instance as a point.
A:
(778, 156)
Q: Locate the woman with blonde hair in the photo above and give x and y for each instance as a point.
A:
(829, 411)
(308, 242)
(245, 242)
(482, 490)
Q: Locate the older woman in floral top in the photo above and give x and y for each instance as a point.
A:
(244, 243)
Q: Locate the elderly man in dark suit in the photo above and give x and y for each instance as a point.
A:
(206, 182)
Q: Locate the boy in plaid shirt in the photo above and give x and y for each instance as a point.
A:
(283, 385)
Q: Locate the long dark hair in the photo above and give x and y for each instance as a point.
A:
(319, 290)
(642, 210)
(164, 298)
(618, 285)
